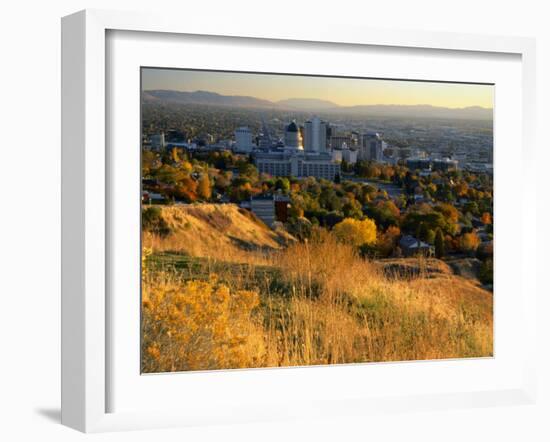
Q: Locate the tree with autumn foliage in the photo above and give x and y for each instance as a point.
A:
(439, 244)
(385, 213)
(469, 242)
(204, 188)
(387, 241)
(355, 232)
(448, 211)
(185, 190)
(486, 218)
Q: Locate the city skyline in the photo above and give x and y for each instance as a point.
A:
(342, 91)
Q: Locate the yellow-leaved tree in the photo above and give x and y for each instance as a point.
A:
(204, 189)
(356, 232)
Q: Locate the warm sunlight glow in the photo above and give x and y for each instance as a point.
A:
(341, 91)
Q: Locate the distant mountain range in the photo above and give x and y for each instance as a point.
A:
(421, 110)
(313, 104)
(316, 105)
(204, 97)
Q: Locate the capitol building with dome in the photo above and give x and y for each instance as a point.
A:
(302, 152)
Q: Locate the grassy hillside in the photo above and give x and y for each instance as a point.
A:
(220, 290)
(221, 231)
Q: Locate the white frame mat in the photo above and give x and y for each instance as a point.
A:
(86, 236)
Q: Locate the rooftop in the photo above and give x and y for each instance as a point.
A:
(292, 127)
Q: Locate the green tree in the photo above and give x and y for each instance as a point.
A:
(486, 271)
(429, 236)
(432, 220)
(439, 244)
(248, 170)
(283, 184)
(352, 209)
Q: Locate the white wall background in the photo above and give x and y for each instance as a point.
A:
(30, 214)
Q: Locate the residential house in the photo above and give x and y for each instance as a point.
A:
(411, 246)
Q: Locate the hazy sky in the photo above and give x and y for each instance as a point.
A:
(342, 91)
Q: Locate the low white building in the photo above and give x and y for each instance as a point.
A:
(349, 155)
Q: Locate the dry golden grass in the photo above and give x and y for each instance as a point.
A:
(219, 231)
(198, 325)
(318, 303)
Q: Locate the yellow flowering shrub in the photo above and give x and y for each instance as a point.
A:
(199, 325)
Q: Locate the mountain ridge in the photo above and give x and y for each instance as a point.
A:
(316, 105)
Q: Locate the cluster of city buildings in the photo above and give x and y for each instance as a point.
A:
(427, 164)
(316, 149)
(432, 164)
(302, 152)
(308, 150)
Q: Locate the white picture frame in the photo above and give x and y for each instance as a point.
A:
(85, 236)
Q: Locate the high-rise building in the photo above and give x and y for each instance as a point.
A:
(158, 142)
(371, 147)
(243, 138)
(354, 139)
(264, 139)
(336, 141)
(315, 135)
(308, 136)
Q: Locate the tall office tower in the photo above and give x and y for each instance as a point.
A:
(243, 137)
(293, 138)
(354, 137)
(315, 137)
(264, 140)
(371, 147)
(158, 142)
(308, 136)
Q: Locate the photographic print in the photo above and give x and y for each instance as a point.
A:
(296, 220)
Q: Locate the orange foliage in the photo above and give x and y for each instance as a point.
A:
(204, 189)
(448, 212)
(469, 242)
(461, 189)
(388, 240)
